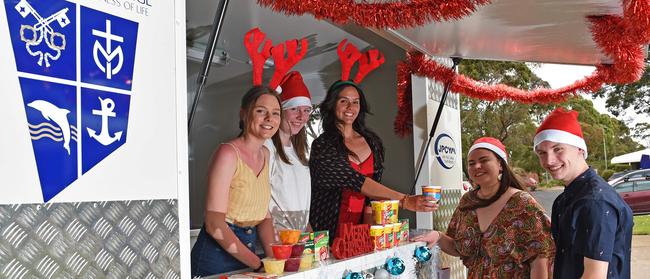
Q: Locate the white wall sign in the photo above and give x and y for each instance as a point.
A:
(443, 163)
(89, 104)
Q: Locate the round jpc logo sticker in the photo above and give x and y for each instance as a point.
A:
(446, 150)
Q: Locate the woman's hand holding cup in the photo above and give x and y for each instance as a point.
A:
(420, 203)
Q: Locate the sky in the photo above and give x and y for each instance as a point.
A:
(558, 75)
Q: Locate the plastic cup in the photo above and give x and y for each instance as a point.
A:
(395, 207)
(282, 251)
(377, 236)
(289, 236)
(389, 235)
(306, 261)
(396, 233)
(379, 212)
(273, 266)
(432, 191)
(292, 264)
(297, 249)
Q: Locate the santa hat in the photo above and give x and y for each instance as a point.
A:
(491, 144)
(293, 91)
(562, 127)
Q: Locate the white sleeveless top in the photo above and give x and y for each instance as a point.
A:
(290, 190)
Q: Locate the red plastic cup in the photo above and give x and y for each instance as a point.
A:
(281, 251)
(297, 249)
(292, 264)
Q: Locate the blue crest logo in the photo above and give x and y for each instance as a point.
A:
(76, 87)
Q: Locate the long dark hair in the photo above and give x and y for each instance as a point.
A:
(247, 105)
(508, 179)
(329, 120)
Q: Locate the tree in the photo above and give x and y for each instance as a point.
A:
(619, 97)
(507, 121)
(605, 136)
(515, 124)
(642, 132)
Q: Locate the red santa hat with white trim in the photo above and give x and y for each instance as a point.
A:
(561, 126)
(491, 144)
(294, 92)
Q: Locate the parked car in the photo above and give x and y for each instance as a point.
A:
(629, 175)
(618, 175)
(636, 193)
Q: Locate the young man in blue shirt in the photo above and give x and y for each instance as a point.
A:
(591, 224)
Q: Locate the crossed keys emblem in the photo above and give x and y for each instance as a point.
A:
(42, 31)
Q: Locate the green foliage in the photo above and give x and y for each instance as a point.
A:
(620, 97)
(619, 167)
(641, 225)
(515, 124)
(550, 183)
(642, 131)
(313, 130)
(606, 174)
(507, 121)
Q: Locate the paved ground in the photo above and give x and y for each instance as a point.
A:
(546, 197)
(640, 256)
(640, 243)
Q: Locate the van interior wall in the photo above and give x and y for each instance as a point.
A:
(217, 117)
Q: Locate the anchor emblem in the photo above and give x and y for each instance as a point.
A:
(107, 111)
(42, 31)
(108, 53)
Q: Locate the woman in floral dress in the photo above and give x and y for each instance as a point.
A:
(498, 230)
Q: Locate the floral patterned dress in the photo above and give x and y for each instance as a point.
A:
(518, 234)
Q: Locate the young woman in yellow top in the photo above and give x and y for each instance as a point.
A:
(239, 192)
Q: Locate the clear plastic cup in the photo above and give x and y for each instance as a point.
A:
(273, 266)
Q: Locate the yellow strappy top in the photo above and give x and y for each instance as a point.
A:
(250, 194)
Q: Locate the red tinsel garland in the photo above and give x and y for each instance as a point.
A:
(393, 15)
(621, 38)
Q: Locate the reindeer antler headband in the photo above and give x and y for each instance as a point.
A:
(350, 54)
(255, 38)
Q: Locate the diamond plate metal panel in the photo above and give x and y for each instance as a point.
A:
(117, 239)
(441, 217)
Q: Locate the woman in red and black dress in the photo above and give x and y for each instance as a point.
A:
(346, 163)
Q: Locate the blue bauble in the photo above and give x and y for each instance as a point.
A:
(423, 254)
(395, 266)
(353, 275)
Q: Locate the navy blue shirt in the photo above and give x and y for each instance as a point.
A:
(591, 220)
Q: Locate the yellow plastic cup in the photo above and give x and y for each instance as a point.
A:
(396, 233)
(378, 212)
(389, 235)
(395, 207)
(273, 266)
(377, 236)
(306, 262)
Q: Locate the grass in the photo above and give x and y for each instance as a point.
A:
(642, 224)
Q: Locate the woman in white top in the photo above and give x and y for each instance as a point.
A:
(289, 171)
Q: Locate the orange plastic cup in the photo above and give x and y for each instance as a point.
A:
(289, 236)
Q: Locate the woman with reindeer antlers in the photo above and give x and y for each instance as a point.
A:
(346, 161)
(237, 201)
(289, 164)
